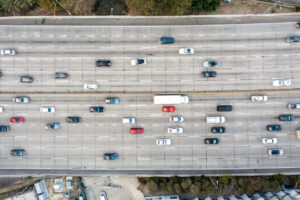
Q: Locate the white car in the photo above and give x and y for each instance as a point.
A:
(269, 140)
(175, 130)
(259, 98)
(282, 82)
(164, 141)
(21, 100)
(139, 61)
(186, 51)
(103, 196)
(215, 119)
(128, 120)
(211, 63)
(176, 119)
(48, 109)
(1, 109)
(90, 86)
(10, 52)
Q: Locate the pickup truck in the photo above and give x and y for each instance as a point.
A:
(294, 106)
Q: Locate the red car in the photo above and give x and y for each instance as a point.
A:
(168, 109)
(136, 130)
(16, 120)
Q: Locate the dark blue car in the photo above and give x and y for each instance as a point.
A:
(293, 39)
(73, 119)
(274, 127)
(286, 117)
(96, 109)
(110, 156)
(211, 141)
(166, 40)
(4, 128)
(209, 74)
(218, 129)
(18, 152)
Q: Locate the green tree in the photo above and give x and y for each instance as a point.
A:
(204, 5)
(16, 6)
(177, 188)
(153, 187)
(194, 189)
(280, 179)
(110, 7)
(225, 179)
(185, 183)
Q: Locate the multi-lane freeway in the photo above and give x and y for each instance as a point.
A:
(251, 56)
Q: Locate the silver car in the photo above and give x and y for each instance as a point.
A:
(10, 52)
(21, 100)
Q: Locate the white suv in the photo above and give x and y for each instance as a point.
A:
(259, 98)
(128, 120)
(90, 86)
(175, 130)
(10, 52)
(282, 82)
(164, 141)
(215, 119)
(48, 109)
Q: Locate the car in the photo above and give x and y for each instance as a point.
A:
(110, 156)
(286, 117)
(274, 127)
(96, 109)
(175, 130)
(139, 61)
(136, 130)
(292, 39)
(224, 108)
(18, 152)
(176, 118)
(128, 120)
(73, 119)
(18, 120)
(163, 141)
(4, 128)
(61, 75)
(294, 106)
(21, 100)
(211, 63)
(218, 129)
(90, 86)
(282, 82)
(166, 40)
(103, 63)
(297, 25)
(47, 109)
(1, 74)
(10, 52)
(168, 109)
(259, 98)
(276, 152)
(103, 196)
(1, 109)
(25, 79)
(269, 140)
(215, 119)
(209, 74)
(211, 141)
(186, 51)
(53, 126)
(112, 100)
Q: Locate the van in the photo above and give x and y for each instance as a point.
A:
(215, 119)
(224, 108)
(103, 196)
(166, 40)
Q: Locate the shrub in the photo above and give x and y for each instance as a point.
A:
(16, 7)
(79, 7)
(204, 5)
(110, 7)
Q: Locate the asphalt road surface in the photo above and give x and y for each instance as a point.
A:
(251, 56)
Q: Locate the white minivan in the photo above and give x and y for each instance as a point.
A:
(215, 119)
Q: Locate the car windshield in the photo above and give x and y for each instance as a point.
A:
(140, 61)
(213, 62)
(275, 151)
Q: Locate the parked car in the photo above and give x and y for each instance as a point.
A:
(211, 141)
(90, 86)
(211, 63)
(286, 117)
(276, 152)
(139, 61)
(297, 25)
(274, 127)
(294, 106)
(282, 82)
(186, 51)
(175, 130)
(110, 156)
(48, 109)
(259, 98)
(103, 63)
(61, 75)
(136, 130)
(269, 140)
(166, 40)
(96, 109)
(53, 126)
(26, 79)
(218, 129)
(18, 152)
(128, 120)
(1, 109)
(21, 100)
(18, 120)
(164, 141)
(73, 119)
(224, 108)
(209, 74)
(215, 119)
(168, 109)
(10, 52)
(4, 128)
(291, 39)
(112, 100)
(176, 118)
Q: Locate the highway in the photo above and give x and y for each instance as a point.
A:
(250, 55)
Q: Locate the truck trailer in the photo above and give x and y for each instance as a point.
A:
(170, 99)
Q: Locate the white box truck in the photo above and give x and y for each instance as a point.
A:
(170, 99)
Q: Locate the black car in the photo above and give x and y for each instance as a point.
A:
(59, 75)
(211, 141)
(166, 40)
(224, 108)
(218, 129)
(96, 109)
(274, 127)
(73, 119)
(209, 74)
(4, 128)
(103, 63)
